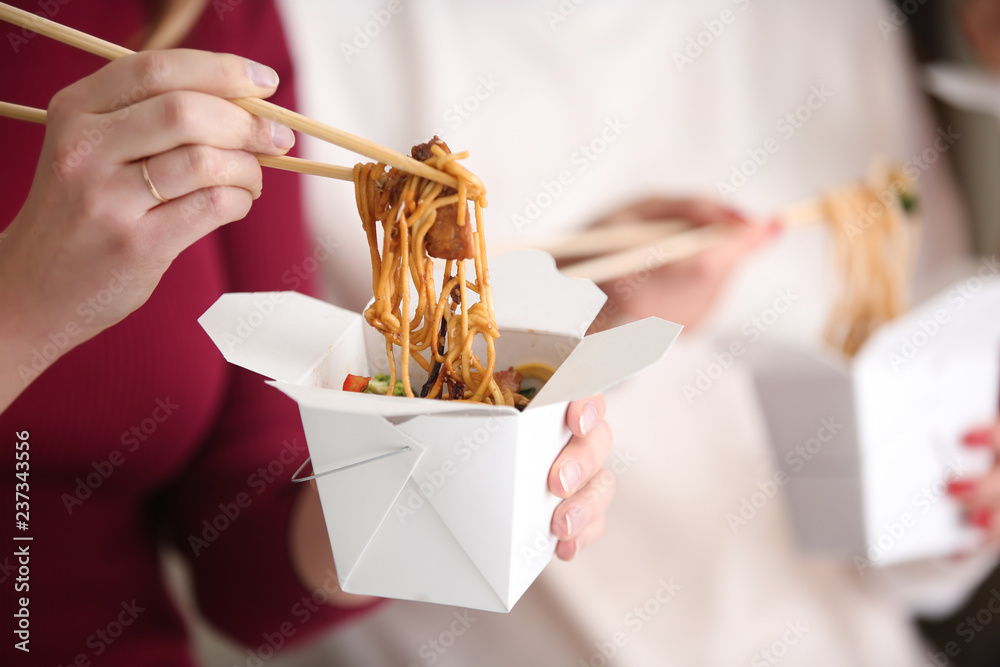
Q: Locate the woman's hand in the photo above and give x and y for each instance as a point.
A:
(684, 291)
(981, 497)
(578, 476)
(92, 240)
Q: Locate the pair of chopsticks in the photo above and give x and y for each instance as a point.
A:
(616, 251)
(258, 107)
(284, 162)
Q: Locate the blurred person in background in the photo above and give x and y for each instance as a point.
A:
(968, 32)
(578, 113)
(132, 432)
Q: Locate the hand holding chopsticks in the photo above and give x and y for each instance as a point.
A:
(255, 106)
(616, 251)
(609, 252)
(284, 162)
(126, 183)
(637, 246)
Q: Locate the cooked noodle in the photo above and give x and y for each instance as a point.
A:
(873, 250)
(445, 323)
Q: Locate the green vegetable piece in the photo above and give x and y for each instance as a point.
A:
(380, 385)
(528, 392)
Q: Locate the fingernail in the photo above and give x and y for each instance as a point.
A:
(961, 487)
(574, 520)
(570, 476)
(588, 418)
(979, 437)
(574, 549)
(981, 518)
(281, 136)
(262, 75)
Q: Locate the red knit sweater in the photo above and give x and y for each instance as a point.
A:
(144, 435)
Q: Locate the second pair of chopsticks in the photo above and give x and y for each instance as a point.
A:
(258, 107)
(616, 251)
(284, 162)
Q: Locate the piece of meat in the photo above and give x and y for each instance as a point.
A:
(394, 182)
(423, 152)
(445, 239)
(508, 379)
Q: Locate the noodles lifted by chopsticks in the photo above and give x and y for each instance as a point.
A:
(874, 248)
(421, 219)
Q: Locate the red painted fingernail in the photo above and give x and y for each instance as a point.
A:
(981, 518)
(961, 487)
(978, 438)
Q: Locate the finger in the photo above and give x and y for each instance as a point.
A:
(980, 517)
(193, 167)
(709, 212)
(984, 436)
(742, 241)
(716, 263)
(174, 119)
(577, 512)
(963, 490)
(983, 493)
(568, 549)
(579, 461)
(170, 228)
(583, 415)
(697, 210)
(755, 235)
(991, 535)
(137, 77)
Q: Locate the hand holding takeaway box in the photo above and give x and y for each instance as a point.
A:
(436, 500)
(867, 450)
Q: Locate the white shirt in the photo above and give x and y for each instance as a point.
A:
(628, 99)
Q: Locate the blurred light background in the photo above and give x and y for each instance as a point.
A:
(681, 93)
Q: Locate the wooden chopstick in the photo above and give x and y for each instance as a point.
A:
(636, 253)
(649, 256)
(370, 149)
(606, 239)
(19, 112)
(630, 249)
(312, 167)
(596, 240)
(283, 162)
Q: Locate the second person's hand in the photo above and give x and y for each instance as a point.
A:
(980, 497)
(685, 291)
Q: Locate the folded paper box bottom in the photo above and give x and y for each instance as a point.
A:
(433, 500)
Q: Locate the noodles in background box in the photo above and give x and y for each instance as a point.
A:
(874, 248)
(420, 220)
